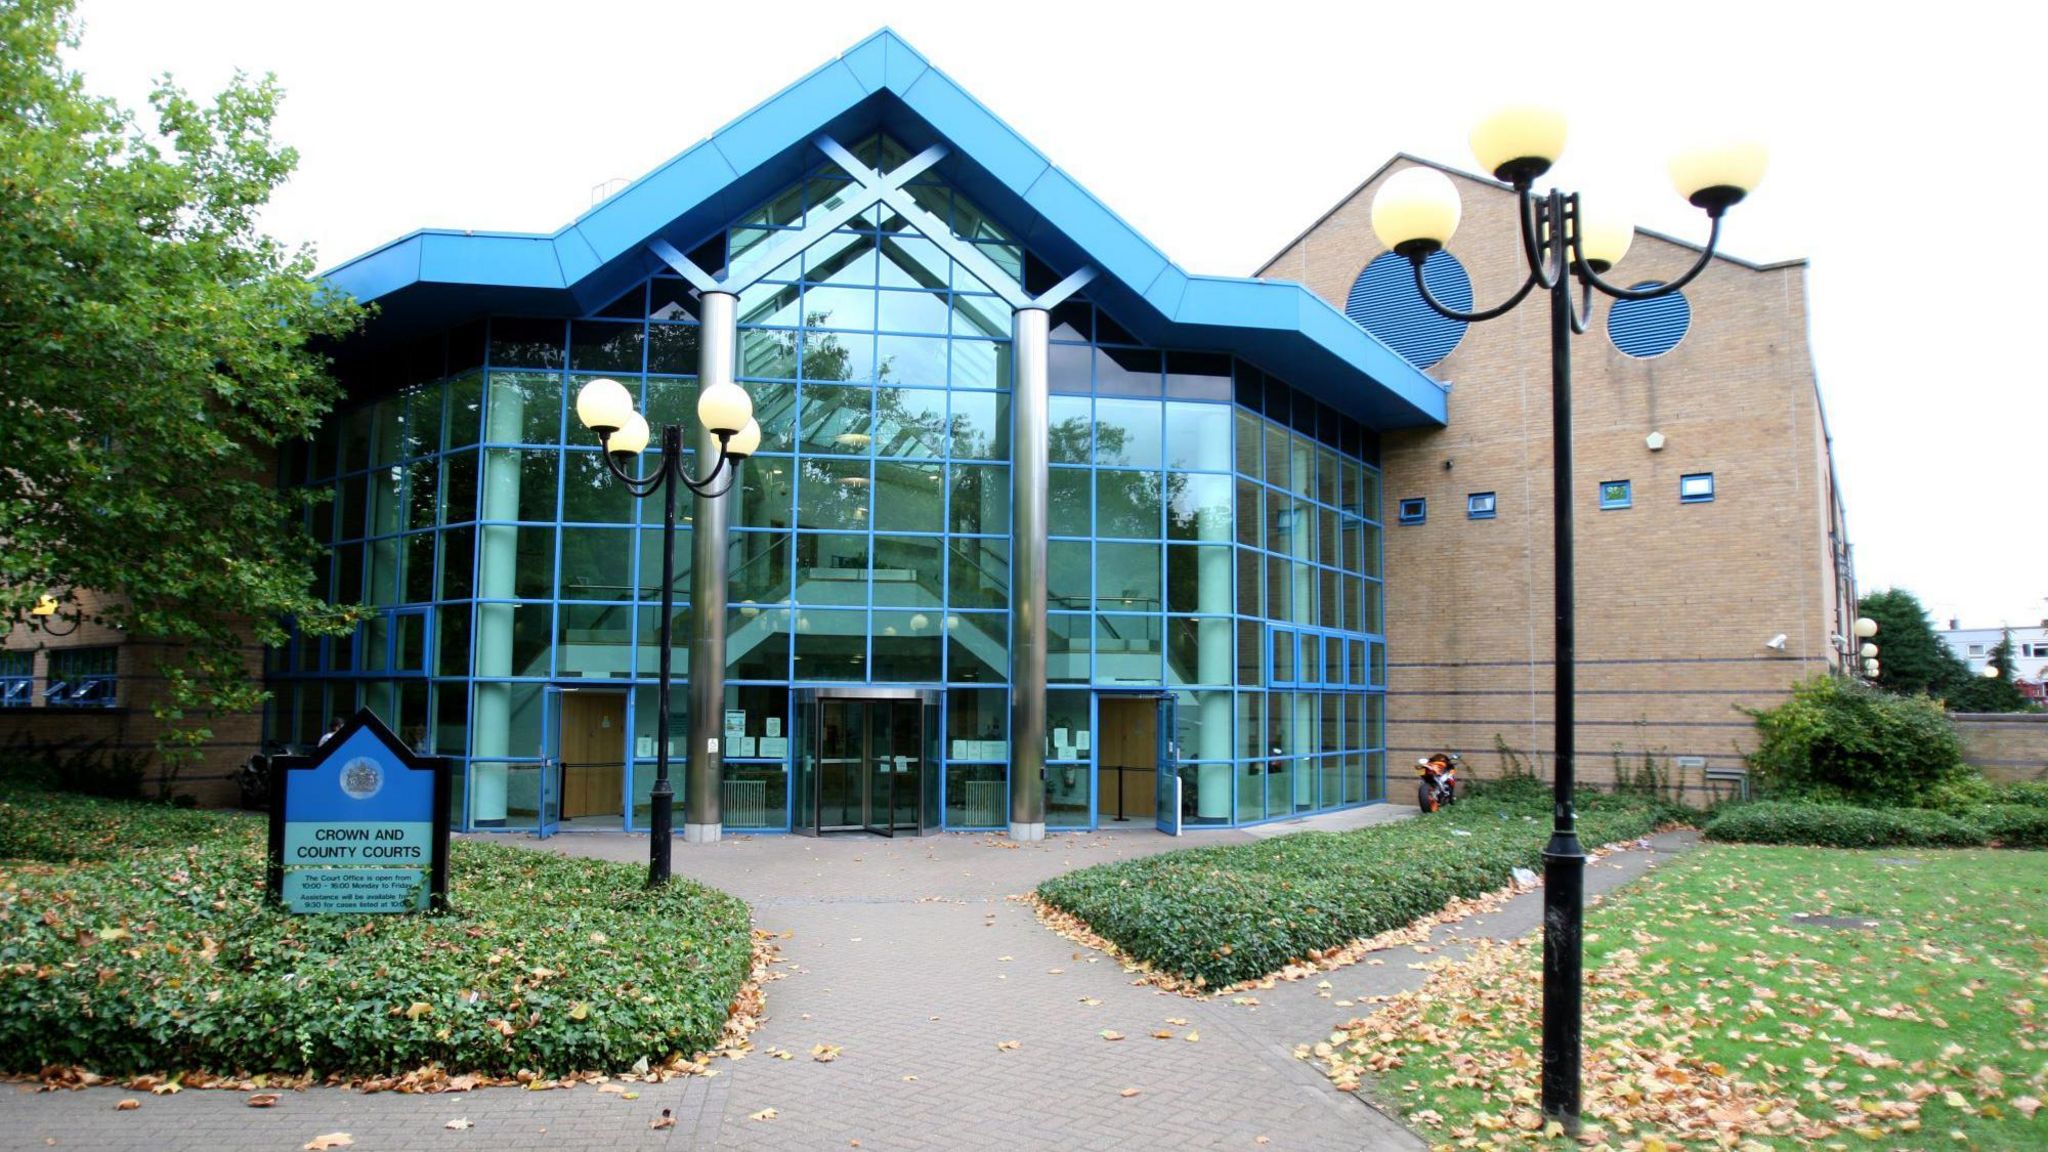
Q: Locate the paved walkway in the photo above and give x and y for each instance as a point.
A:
(907, 956)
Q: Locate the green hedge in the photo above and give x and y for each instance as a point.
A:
(1841, 826)
(1837, 739)
(166, 958)
(2013, 825)
(1224, 914)
(2032, 793)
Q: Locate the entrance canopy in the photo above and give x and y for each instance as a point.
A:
(434, 278)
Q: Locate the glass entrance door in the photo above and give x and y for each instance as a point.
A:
(869, 765)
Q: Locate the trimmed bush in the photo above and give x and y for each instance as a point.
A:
(1841, 826)
(2012, 825)
(155, 956)
(1836, 739)
(1224, 914)
(2032, 793)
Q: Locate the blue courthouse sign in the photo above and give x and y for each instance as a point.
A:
(360, 825)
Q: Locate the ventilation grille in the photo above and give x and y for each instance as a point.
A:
(1646, 328)
(1384, 302)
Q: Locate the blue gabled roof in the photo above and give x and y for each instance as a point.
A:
(436, 277)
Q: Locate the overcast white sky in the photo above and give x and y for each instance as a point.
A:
(1221, 131)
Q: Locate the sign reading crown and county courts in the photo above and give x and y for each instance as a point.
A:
(360, 825)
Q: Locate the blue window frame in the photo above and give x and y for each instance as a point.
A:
(1414, 510)
(1697, 488)
(1479, 506)
(81, 678)
(1615, 494)
(17, 679)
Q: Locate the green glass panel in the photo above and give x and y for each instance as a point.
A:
(908, 571)
(845, 259)
(524, 408)
(1128, 503)
(465, 409)
(775, 412)
(981, 364)
(1070, 429)
(423, 420)
(1198, 506)
(591, 494)
(595, 640)
(767, 491)
(1250, 436)
(909, 260)
(672, 348)
(851, 309)
(981, 426)
(831, 645)
(917, 361)
(1068, 581)
(910, 497)
(597, 563)
(537, 468)
(767, 352)
(832, 493)
(832, 569)
(668, 401)
(648, 580)
(910, 422)
(647, 658)
(980, 498)
(987, 316)
(978, 574)
(838, 356)
(908, 646)
(422, 493)
(1069, 501)
(1198, 578)
(1198, 437)
(533, 642)
(458, 563)
(419, 568)
(1067, 637)
(388, 435)
(534, 568)
(1251, 657)
(757, 647)
(757, 568)
(837, 419)
(911, 311)
(1276, 456)
(770, 305)
(1127, 433)
(1127, 577)
(606, 346)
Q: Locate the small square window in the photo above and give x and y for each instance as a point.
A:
(1615, 494)
(1697, 488)
(1479, 506)
(1414, 510)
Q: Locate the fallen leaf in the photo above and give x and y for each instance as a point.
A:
(579, 1011)
(459, 1124)
(331, 1140)
(667, 1119)
(763, 1114)
(1193, 1037)
(171, 1088)
(1008, 1045)
(1128, 1093)
(128, 1105)
(1111, 1034)
(263, 1099)
(824, 1053)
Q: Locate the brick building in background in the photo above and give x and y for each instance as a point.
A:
(1713, 571)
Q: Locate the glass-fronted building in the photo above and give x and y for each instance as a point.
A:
(1042, 531)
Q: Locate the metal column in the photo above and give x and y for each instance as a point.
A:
(1029, 480)
(702, 777)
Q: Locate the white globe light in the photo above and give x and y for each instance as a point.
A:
(725, 407)
(745, 442)
(631, 438)
(920, 622)
(1870, 667)
(1528, 133)
(1415, 206)
(952, 622)
(604, 403)
(1865, 627)
(1868, 651)
(1604, 236)
(1717, 173)
(1991, 672)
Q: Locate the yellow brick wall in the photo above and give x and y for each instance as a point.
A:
(1675, 601)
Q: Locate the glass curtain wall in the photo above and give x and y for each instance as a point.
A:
(1215, 534)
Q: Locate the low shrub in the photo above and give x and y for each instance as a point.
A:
(1841, 826)
(1838, 739)
(2012, 825)
(2032, 793)
(155, 956)
(1224, 914)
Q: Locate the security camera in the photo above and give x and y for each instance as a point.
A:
(1776, 643)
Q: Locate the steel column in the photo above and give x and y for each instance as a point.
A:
(701, 814)
(1029, 497)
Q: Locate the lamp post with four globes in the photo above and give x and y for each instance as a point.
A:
(1564, 244)
(725, 409)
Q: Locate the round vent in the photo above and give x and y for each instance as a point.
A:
(1385, 303)
(1646, 328)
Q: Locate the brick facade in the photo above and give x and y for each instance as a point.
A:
(2006, 746)
(1675, 601)
(129, 727)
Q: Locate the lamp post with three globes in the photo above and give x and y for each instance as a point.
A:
(1565, 244)
(606, 408)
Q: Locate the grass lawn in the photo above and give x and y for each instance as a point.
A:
(1716, 1017)
(134, 938)
(1217, 916)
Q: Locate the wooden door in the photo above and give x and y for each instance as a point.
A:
(593, 753)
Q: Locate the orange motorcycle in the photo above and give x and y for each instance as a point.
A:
(1438, 785)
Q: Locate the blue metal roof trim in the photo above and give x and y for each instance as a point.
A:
(1278, 324)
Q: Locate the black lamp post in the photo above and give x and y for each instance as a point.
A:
(606, 408)
(1414, 213)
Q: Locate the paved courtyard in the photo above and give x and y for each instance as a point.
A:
(960, 1023)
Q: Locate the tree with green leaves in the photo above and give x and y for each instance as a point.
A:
(1911, 657)
(1997, 693)
(156, 352)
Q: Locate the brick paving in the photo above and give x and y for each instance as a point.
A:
(909, 957)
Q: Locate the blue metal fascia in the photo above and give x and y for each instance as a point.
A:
(883, 81)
